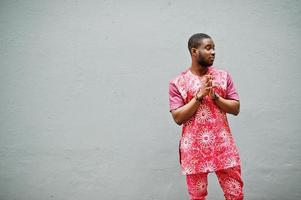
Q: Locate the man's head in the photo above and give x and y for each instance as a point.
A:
(201, 48)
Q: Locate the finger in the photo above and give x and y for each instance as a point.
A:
(209, 83)
(208, 76)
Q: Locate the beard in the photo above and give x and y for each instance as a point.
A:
(204, 63)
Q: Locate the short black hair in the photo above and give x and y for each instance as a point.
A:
(196, 39)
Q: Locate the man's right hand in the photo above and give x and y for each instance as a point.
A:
(206, 86)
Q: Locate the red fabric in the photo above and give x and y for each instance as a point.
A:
(206, 143)
(230, 181)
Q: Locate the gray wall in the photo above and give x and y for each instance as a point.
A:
(84, 96)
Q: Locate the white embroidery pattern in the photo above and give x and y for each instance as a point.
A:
(186, 142)
(231, 162)
(206, 139)
(225, 137)
(187, 170)
(232, 187)
(203, 115)
(207, 167)
(201, 186)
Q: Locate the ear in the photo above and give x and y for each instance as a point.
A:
(193, 51)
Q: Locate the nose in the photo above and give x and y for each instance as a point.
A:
(212, 52)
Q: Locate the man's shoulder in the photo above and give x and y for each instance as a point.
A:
(216, 69)
(180, 76)
(219, 71)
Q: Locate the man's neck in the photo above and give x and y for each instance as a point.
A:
(198, 69)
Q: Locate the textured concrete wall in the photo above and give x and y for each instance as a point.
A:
(84, 96)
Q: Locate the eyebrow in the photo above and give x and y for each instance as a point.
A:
(210, 45)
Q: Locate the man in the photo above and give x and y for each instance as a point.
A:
(200, 97)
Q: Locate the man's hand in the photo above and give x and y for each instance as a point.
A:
(228, 105)
(206, 86)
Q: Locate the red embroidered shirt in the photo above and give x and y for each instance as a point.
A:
(206, 144)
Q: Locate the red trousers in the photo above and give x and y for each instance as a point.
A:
(229, 179)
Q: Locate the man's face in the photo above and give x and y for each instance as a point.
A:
(205, 53)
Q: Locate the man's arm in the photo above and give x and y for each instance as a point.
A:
(228, 105)
(184, 113)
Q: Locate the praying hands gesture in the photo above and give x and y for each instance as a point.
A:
(206, 87)
(184, 113)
